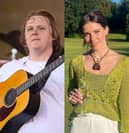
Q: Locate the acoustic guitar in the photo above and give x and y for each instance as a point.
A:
(18, 104)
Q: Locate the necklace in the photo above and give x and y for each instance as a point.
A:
(97, 60)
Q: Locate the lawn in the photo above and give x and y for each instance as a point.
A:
(74, 47)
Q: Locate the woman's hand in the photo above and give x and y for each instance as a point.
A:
(76, 97)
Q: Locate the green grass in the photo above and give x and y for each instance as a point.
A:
(74, 47)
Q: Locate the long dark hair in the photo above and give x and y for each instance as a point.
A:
(92, 16)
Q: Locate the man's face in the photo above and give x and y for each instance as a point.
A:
(38, 33)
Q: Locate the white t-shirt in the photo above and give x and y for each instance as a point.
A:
(50, 116)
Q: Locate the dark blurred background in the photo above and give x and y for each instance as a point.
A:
(12, 15)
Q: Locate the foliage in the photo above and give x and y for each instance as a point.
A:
(127, 27)
(74, 9)
(116, 13)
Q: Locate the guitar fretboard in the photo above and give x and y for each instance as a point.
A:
(34, 79)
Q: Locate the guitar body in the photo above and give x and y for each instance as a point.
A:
(25, 107)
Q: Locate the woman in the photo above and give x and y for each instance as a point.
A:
(41, 40)
(99, 85)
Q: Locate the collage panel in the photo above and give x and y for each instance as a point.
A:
(32, 66)
(96, 66)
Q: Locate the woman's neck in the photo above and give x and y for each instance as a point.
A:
(100, 51)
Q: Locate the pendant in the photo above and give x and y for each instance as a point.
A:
(96, 66)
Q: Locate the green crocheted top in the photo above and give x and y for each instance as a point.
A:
(107, 95)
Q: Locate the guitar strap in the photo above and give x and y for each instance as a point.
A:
(41, 83)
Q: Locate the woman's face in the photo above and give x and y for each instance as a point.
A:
(38, 33)
(95, 34)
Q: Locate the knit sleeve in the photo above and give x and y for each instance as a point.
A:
(72, 76)
(124, 100)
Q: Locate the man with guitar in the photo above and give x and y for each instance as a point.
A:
(34, 104)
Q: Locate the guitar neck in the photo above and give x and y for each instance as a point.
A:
(40, 75)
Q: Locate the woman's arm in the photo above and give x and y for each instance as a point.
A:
(74, 94)
(124, 100)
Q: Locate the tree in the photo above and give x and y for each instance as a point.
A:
(124, 13)
(74, 9)
(127, 27)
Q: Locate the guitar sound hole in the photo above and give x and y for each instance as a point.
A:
(10, 97)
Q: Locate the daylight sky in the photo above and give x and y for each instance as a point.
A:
(117, 1)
